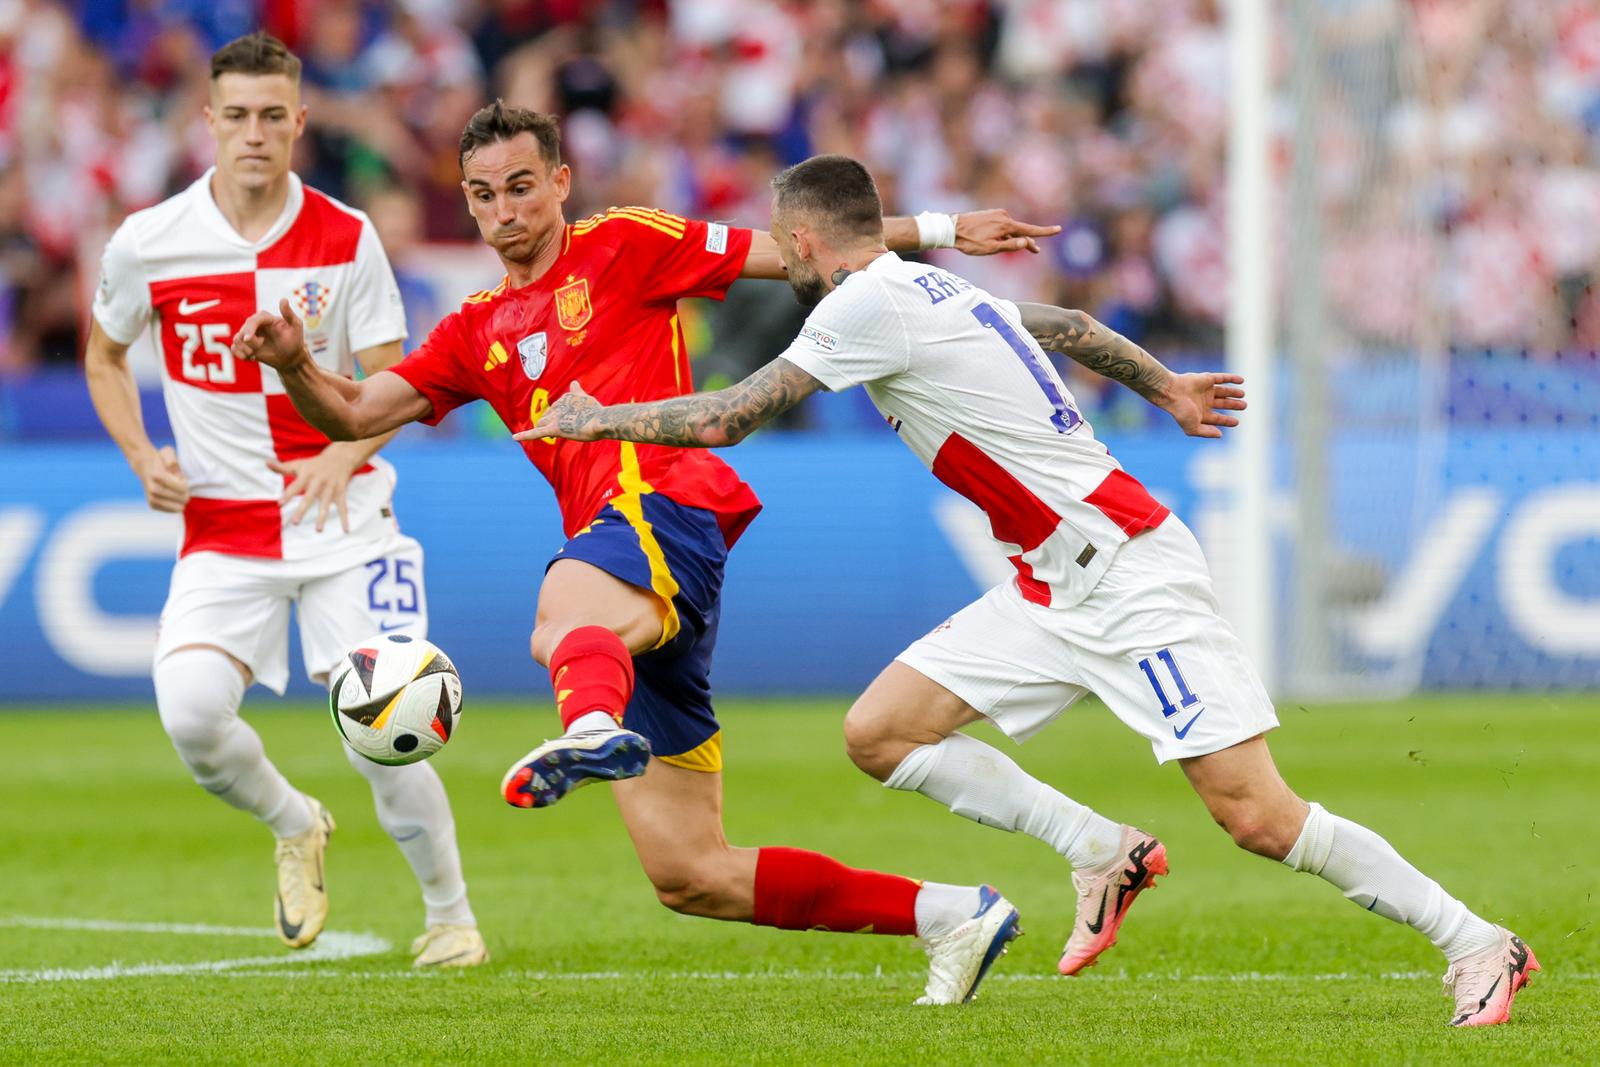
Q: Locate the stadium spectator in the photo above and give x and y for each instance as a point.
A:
(1459, 135)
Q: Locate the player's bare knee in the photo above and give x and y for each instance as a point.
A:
(1259, 829)
(869, 745)
(687, 890)
(545, 638)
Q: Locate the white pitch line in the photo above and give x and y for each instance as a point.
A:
(45, 923)
(335, 946)
(859, 976)
(332, 945)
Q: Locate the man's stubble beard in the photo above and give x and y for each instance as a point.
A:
(807, 286)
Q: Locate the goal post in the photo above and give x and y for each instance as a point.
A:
(1247, 562)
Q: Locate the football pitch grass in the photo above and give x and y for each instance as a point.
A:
(134, 910)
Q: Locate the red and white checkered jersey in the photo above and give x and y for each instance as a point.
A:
(180, 270)
(974, 396)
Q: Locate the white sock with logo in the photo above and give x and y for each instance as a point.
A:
(414, 810)
(1373, 876)
(941, 908)
(198, 691)
(981, 783)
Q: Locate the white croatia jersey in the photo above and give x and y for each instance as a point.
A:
(180, 270)
(974, 396)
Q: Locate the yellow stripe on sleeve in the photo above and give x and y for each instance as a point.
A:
(655, 220)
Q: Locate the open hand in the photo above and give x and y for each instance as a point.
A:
(1198, 402)
(279, 341)
(165, 487)
(321, 480)
(983, 233)
(574, 417)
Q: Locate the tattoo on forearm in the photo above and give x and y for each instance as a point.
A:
(1102, 350)
(702, 420)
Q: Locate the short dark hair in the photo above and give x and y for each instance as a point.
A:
(255, 53)
(836, 191)
(501, 121)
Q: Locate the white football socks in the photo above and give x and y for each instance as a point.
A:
(590, 721)
(980, 783)
(414, 810)
(1373, 876)
(198, 691)
(941, 908)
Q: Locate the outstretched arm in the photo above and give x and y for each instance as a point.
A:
(977, 233)
(345, 410)
(1195, 401)
(699, 420)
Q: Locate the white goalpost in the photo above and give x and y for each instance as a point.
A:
(1246, 581)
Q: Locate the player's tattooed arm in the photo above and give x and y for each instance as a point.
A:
(700, 420)
(1197, 402)
(977, 233)
(1078, 336)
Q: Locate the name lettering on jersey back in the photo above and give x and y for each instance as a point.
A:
(941, 286)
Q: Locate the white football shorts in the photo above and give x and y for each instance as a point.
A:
(241, 605)
(1148, 641)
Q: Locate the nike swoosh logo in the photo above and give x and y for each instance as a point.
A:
(186, 308)
(1099, 919)
(288, 929)
(386, 627)
(1181, 734)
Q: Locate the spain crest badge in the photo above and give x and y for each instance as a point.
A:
(572, 305)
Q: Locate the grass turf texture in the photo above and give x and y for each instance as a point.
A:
(1231, 960)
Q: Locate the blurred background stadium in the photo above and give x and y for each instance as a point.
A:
(1423, 505)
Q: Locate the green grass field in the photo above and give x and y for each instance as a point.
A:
(1234, 959)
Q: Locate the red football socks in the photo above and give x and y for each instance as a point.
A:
(591, 671)
(800, 890)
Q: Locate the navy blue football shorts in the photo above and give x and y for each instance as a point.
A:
(677, 553)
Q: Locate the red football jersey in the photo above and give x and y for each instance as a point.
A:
(605, 315)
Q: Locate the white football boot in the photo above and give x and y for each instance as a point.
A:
(957, 961)
(557, 767)
(301, 905)
(450, 945)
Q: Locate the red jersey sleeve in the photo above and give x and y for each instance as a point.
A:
(438, 370)
(675, 257)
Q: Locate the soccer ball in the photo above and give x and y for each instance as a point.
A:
(398, 700)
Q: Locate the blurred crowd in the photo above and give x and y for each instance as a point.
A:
(1456, 190)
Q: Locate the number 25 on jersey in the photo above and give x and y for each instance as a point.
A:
(214, 338)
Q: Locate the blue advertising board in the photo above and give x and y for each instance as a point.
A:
(1492, 581)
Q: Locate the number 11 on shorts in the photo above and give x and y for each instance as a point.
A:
(1186, 698)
